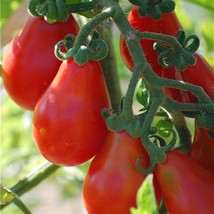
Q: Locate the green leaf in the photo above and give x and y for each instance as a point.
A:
(142, 95)
(6, 195)
(164, 127)
(146, 201)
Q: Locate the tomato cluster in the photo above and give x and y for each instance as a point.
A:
(186, 183)
(68, 127)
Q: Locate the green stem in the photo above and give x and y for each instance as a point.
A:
(87, 28)
(195, 90)
(183, 132)
(160, 37)
(33, 179)
(171, 104)
(21, 205)
(109, 67)
(81, 7)
(134, 46)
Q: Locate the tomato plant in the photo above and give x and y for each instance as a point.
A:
(113, 178)
(29, 64)
(137, 150)
(186, 187)
(67, 118)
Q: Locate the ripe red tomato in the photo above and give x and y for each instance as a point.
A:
(200, 74)
(187, 188)
(68, 127)
(29, 64)
(202, 149)
(112, 181)
(168, 24)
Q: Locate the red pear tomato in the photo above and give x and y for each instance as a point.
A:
(202, 149)
(68, 128)
(29, 64)
(112, 181)
(187, 188)
(200, 74)
(168, 24)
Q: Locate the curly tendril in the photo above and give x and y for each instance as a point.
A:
(156, 151)
(97, 49)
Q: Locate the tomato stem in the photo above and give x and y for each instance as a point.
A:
(182, 130)
(36, 177)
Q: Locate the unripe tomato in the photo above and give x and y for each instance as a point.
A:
(68, 128)
(112, 181)
(29, 64)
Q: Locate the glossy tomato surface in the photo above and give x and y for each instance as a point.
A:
(187, 188)
(168, 24)
(29, 64)
(200, 74)
(112, 180)
(202, 149)
(68, 127)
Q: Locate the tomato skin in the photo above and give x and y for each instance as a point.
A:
(169, 24)
(202, 149)
(200, 74)
(112, 180)
(29, 64)
(68, 128)
(187, 188)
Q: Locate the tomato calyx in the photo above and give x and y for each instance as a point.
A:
(57, 10)
(154, 8)
(96, 49)
(181, 58)
(155, 145)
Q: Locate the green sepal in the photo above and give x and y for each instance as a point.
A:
(181, 36)
(81, 57)
(182, 58)
(156, 13)
(154, 8)
(167, 6)
(62, 14)
(32, 7)
(51, 15)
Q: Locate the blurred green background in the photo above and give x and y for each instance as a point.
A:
(18, 153)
